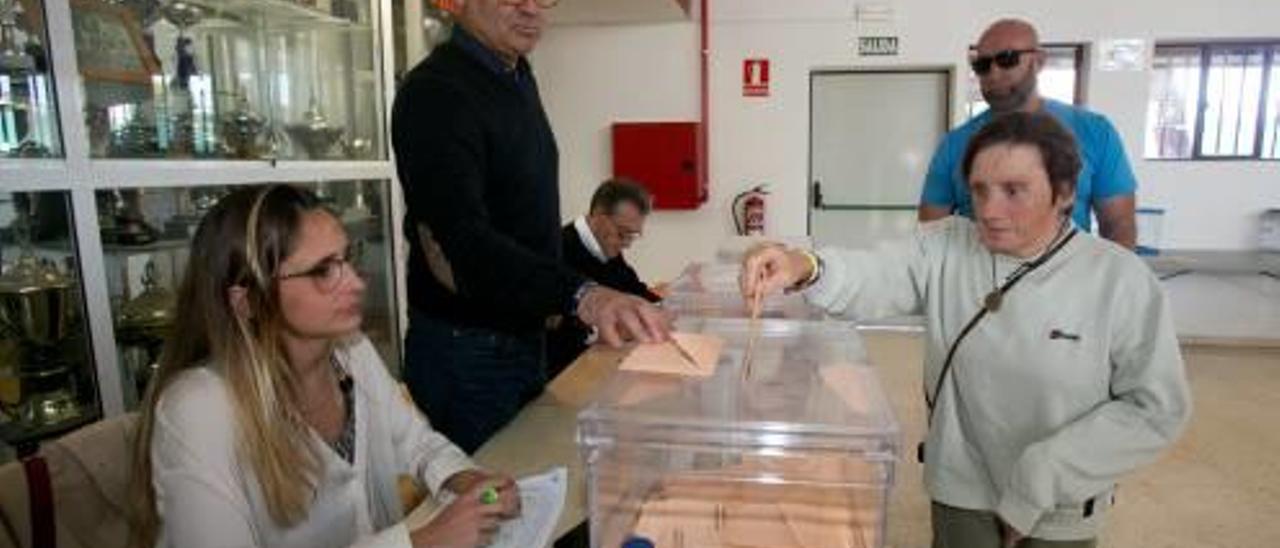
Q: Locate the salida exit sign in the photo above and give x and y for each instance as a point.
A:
(877, 45)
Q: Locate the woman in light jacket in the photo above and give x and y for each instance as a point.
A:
(1051, 365)
(272, 422)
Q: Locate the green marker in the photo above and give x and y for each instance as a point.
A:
(489, 496)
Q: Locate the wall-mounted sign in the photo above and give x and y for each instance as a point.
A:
(873, 12)
(755, 77)
(877, 45)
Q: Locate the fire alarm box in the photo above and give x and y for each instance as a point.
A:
(662, 156)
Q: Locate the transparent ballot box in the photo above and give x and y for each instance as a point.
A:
(711, 290)
(799, 454)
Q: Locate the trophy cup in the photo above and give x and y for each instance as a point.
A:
(242, 130)
(37, 308)
(193, 204)
(20, 114)
(314, 134)
(144, 323)
(125, 224)
(181, 103)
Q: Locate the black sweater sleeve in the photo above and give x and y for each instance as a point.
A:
(441, 157)
(628, 281)
(615, 273)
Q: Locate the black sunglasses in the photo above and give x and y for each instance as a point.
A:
(1005, 59)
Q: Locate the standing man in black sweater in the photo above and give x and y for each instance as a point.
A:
(478, 164)
(593, 246)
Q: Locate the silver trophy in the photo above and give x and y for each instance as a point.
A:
(242, 130)
(314, 133)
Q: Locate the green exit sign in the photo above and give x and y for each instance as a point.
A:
(877, 45)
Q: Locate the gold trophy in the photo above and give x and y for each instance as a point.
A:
(143, 325)
(37, 310)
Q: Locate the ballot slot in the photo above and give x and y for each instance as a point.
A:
(734, 249)
(711, 290)
(800, 455)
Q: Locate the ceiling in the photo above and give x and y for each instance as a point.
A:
(615, 12)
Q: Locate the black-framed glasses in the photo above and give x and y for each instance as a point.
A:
(1005, 59)
(544, 4)
(328, 273)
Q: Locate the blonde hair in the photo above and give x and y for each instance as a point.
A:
(239, 244)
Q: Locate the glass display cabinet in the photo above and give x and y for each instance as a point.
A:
(230, 79)
(28, 119)
(166, 105)
(47, 381)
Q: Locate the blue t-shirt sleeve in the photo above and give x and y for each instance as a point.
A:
(1113, 176)
(938, 190)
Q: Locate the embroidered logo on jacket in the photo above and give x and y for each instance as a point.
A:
(1060, 334)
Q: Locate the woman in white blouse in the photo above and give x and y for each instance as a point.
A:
(272, 422)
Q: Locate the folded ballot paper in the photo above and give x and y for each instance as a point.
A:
(541, 501)
(667, 358)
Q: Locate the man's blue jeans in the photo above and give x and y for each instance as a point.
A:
(471, 381)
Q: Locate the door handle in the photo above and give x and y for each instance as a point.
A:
(817, 195)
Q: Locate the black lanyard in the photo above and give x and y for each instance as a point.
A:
(990, 304)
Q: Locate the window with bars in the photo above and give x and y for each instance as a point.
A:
(1271, 120)
(1214, 101)
(1059, 79)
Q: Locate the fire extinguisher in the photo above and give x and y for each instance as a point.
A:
(748, 211)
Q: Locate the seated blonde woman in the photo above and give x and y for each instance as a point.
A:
(272, 422)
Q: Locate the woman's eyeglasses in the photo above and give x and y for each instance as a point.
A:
(1005, 59)
(328, 273)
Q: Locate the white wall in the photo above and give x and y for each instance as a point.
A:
(594, 75)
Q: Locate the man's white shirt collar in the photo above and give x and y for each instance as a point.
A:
(589, 239)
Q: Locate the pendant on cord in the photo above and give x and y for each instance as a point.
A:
(992, 301)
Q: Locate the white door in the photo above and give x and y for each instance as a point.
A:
(872, 134)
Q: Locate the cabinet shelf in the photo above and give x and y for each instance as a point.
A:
(277, 14)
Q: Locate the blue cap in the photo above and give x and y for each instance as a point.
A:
(637, 542)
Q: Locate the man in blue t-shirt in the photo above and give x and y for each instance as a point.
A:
(1007, 60)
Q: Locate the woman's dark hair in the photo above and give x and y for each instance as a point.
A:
(1057, 146)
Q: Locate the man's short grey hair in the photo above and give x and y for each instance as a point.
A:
(614, 192)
